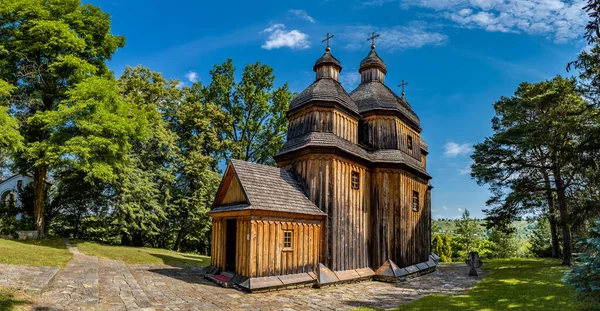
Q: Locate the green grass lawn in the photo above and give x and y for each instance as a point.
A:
(46, 252)
(512, 284)
(14, 300)
(141, 255)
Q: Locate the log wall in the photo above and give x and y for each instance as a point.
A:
(400, 234)
(268, 256)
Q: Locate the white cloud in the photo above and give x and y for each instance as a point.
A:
(301, 14)
(180, 84)
(445, 207)
(350, 79)
(192, 76)
(413, 36)
(460, 210)
(466, 170)
(453, 149)
(280, 37)
(559, 20)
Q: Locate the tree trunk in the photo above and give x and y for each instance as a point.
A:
(552, 217)
(564, 217)
(180, 235)
(39, 194)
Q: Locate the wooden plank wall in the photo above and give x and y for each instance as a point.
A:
(242, 252)
(389, 132)
(350, 217)
(316, 172)
(314, 119)
(347, 232)
(345, 127)
(234, 193)
(318, 119)
(424, 160)
(268, 257)
(400, 234)
(403, 132)
(217, 257)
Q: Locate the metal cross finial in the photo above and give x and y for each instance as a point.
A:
(402, 86)
(372, 38)
(327, 38)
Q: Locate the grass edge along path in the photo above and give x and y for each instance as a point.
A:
(50, 252)
(140, 255)
(512, 284)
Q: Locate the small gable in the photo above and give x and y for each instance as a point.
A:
(230, 191)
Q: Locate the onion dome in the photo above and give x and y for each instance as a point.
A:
(327, 66)
(372, 67)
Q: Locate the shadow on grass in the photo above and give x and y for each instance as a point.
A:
(8, 301)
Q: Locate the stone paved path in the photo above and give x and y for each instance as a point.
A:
(171, 288)
(90, 283)
(32, 280)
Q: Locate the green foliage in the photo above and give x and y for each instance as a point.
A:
(467, 229)
(46, 49)
(541, 241)
(258, 123)
(503, 243)
(585, 275)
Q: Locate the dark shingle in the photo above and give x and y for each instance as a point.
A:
(324, 90)
(372, 60)
(271, 189)
(375, 95)
(327, 58)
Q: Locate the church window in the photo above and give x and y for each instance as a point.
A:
(19, 184)
(287, 239)
(355, 180)
(415, 201)
(410, 142)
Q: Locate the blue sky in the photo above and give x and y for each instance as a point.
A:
(458, 56)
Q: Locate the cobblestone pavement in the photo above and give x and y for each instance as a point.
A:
(90, 283)
(171, 288)
(32, 280)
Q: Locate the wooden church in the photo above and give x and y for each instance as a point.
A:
(350, 198)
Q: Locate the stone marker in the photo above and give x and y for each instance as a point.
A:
(473, 262)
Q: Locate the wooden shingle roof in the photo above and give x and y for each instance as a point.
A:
(270, 189)
(375, 95)
(324, 90)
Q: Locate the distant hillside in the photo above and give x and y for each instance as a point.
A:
(523, 228)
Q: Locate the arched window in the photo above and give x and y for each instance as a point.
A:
(8, 198)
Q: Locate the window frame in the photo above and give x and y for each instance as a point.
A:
(290, 247)
(409, 142)
(355, 180)
(415, 201)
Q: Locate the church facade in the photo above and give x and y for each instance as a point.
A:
(350, 197)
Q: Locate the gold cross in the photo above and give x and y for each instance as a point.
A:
(402, 86)
(327, 38)
(372, 38)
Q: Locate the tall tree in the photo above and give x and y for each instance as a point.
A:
(144, 187)
(534, 149)
(467, 228)
(257, 124)
(47, 48)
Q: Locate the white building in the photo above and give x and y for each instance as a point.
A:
(9, 188)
